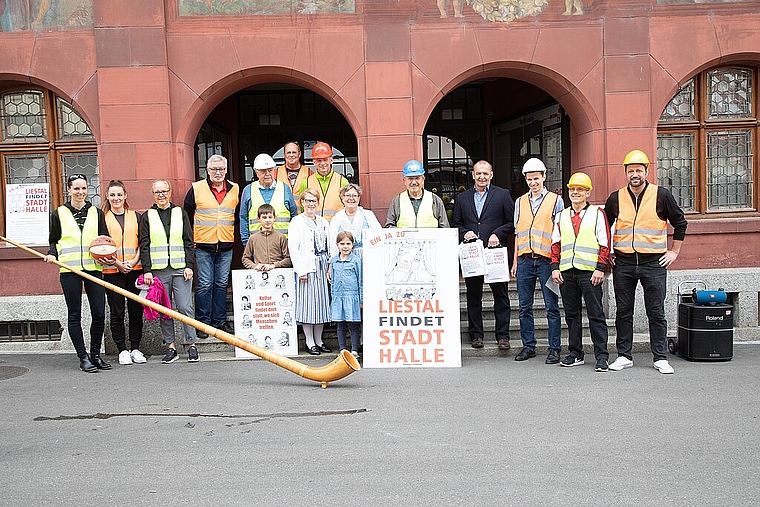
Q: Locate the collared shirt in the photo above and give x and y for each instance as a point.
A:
(535, 202)
(219, 194)
(480, 199)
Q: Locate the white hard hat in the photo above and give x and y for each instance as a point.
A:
(533, 165)
(263, 161)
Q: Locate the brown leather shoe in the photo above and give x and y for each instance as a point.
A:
(503, 344)
(477, 343)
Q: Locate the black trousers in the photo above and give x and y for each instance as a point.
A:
(116, 305)
(501, 307)
(96, 296)
(578, 285)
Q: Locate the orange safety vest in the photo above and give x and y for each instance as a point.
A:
(330, 203)
(640, 231)
(213, 222)
(127, 242)
(303, 174)
(534, 232)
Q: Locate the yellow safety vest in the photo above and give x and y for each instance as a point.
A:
(163, 251)
(534, 232)
(582, 251)
(127, 242)
(330, 202)
(295, 189)
(213, 222)
(281, 212)
(640, 231)
(74, 245)
(423, 218)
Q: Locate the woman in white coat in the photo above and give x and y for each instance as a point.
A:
(307, 241)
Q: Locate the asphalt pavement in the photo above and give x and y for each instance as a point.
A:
(494, 432)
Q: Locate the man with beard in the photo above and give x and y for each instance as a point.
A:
(416, 207)
(639, 214)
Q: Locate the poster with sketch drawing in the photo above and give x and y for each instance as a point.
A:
(263, 308)
(411, 305)
(471, 259)
(497, 265)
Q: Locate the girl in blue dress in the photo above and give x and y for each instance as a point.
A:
(346, 290)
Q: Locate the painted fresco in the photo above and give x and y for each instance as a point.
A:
(263, 7)
(673, 2)
(16, 15)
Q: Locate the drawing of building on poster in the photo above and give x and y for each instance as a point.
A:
(263, 308)
(411, 306)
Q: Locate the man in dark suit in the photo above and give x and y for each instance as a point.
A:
(485, 212)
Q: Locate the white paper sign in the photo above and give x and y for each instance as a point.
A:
(27, 213)
(497, 265)
(411, 299)
(263, 303)
(471, 258)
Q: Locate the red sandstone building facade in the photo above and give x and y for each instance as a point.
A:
(140, 89)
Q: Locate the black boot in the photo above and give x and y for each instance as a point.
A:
(100, 364)
(86, 365)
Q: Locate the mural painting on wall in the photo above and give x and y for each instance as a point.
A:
(18, 15)
(263, 7)
(505, 10)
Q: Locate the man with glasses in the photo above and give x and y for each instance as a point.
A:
(266, 190)
(212, 204)
(293, 173)
(325, 181)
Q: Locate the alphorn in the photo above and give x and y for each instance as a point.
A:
(342, 366)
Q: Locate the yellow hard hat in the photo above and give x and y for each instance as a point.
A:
(580, 180)
(636, 157)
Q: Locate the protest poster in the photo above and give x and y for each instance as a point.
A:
(411, 299)
(27, 212)
(263, 303)
(471, 259)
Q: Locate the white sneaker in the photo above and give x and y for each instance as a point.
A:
(621, 363)
(138, 357)
(663, 366)
(125, 357)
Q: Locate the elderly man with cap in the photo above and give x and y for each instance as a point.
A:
(535, 213)
(640, 213)
(212, 205)
(266, 190)
(580, 256)
(292, 173)
(325, 181)
(416, 207)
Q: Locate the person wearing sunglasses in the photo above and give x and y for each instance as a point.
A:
(213, 204)
(73, 226)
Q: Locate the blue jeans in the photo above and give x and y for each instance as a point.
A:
(211, 293)
(653, 278)
(528, 270)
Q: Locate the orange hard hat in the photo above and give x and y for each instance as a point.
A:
(321, 150)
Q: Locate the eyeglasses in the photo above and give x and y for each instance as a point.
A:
(309, 201)
(216, 169)
(161, 192)
(77, 176)
(351, 196)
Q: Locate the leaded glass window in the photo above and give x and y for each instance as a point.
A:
(70, 124)
(83, 163)
(680, 107)
(675, 167)
(23, 117)
(730, 93)
(729, 170)
(21, 169)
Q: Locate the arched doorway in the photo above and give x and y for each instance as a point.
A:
(504, 121)
(262, 118)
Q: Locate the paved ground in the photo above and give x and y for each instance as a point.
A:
(494, 432)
